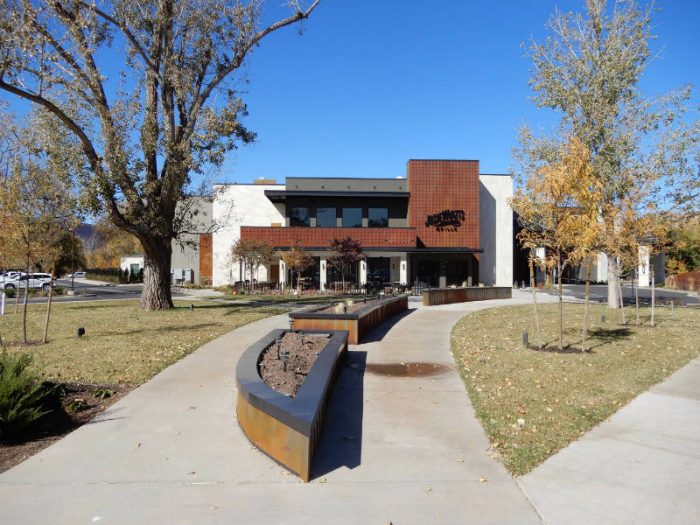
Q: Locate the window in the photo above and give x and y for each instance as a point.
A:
(352, 217)
(299, 216)
(325, 218)
(378, 217)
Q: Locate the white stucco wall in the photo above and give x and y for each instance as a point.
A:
(235, 205)
(496, 230)
(126, 262)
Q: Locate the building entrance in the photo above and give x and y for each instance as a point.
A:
(439, 270)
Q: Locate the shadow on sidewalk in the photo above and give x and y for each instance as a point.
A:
(383, 329)
(340, 443)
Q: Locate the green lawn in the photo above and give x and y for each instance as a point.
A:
(532, 403)
(122, 343)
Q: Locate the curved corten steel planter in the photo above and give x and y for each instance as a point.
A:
(286, 428)
(357, 323)
(434, 296)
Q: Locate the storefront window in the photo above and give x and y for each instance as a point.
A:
(352, 217)
(299, 216)
(378, 217)
(325, 218)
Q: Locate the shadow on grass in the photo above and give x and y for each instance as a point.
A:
(189, 327)
(566, 349)
(609, 335)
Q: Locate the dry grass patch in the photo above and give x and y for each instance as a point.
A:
(122, 343)
(533, 403)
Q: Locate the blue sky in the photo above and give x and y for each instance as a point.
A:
(371, 84)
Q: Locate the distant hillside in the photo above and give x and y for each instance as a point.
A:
(88, 235)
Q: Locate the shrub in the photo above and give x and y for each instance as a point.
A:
(22, 397)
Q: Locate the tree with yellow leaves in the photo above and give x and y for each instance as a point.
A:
(37, 207)
(559, 211)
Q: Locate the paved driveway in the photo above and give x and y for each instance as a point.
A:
(398, 449)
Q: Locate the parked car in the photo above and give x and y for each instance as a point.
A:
(32, 280)
(76, 275)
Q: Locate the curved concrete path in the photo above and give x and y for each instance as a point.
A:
(402, 450)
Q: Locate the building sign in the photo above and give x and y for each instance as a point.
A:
(446, 220)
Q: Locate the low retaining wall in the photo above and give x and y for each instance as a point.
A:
(357, 323)
(434, 296)
(287, 428)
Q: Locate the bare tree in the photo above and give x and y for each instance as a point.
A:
(179, 67)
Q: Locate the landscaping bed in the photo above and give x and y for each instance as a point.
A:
(73, 405)
(533, 403)
(357, 322)
(284, 368)
(286, 427)
(435, 296)
(348, 307)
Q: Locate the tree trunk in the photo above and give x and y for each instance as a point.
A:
(18, 291)
(48, 311)
(156, 293)
(24, 306)
(636, 293)
(534, 301)
(653, 292)
(622, 300)
(561, 305)
(613, 278)
(585, 305)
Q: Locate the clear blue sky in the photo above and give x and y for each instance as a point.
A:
(372, 83)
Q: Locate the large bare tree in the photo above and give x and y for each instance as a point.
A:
(147, 89)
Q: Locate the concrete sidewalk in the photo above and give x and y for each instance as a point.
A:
(642, 466)
(394, 449)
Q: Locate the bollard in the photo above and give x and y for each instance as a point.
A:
(2, 306)
(525, 339)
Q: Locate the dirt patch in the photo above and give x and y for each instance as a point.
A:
(347, 307)
(406, 369)
(299, 351)
(74, 405)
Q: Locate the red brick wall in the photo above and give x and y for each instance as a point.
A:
(437, 185)
(322, 237)
(205, 258)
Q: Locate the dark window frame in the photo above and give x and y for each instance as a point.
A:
(356, 225)
(332, 224)
(370, 219)
(295, 222)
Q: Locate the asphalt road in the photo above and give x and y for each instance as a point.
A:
(89, 291)
(92, 291)
(599, 292)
